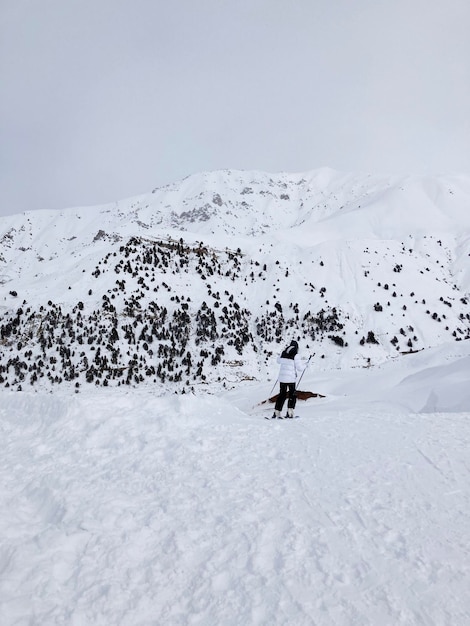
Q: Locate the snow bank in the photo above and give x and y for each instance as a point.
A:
(443, 388)
(432, 380)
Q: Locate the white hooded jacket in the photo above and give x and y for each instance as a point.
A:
(290, 369)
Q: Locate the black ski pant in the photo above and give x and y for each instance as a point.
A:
(286, 389)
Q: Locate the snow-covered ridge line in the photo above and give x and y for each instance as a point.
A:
(250, 203)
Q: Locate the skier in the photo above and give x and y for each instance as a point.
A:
(291, 366)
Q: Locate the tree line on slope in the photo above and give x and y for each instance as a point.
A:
(145, 328)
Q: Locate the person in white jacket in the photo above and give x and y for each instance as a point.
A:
(291, 368)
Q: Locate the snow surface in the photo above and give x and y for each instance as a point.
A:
(124, 508)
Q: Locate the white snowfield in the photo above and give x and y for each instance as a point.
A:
(125, 508)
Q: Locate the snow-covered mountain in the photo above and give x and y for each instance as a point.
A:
(203, 280)
(138, 506)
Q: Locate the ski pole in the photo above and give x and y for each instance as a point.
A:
(298, 382)
(275, 383)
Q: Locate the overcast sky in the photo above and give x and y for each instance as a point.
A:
(105, 99)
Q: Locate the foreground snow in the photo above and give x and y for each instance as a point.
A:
(124, 508)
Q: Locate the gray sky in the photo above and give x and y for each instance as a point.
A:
(105, 99)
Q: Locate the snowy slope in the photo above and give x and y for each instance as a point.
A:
(128, 504)
(358, 269)
(125, 508)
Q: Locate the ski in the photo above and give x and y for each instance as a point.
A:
(284, 417)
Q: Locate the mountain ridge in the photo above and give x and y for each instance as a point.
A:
(359, 269)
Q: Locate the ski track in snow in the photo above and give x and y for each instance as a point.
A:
(127, 509)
